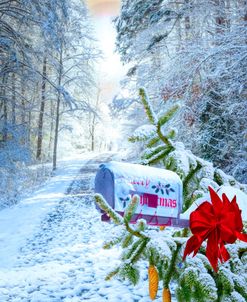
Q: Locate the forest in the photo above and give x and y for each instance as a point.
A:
(47, 54)
(180, 104)
(191, 53)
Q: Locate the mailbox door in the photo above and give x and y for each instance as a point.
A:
(104, 185)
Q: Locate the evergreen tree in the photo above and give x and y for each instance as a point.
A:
(196, 280)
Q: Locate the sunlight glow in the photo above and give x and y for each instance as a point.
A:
(113, 134)
(104, 7)
(110, 68)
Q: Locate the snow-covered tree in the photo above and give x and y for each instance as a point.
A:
(73, 64)
(47, 53)
(193, 52)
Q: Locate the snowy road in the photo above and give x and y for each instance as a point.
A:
(63, 260)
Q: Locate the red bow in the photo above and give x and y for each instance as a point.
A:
(220, 222)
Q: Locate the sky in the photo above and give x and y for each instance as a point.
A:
(104, 7)
(111, 70)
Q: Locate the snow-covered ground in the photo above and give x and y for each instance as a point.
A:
(51, 244)
(19, 222)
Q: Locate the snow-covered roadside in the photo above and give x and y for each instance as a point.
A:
(20, 221)
(61, 256)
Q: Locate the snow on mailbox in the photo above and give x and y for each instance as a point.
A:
(160, 192)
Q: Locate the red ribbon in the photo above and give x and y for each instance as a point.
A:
(220, 222)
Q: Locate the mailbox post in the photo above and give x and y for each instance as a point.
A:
(160, 192)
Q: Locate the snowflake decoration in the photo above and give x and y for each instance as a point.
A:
(163, 188)
(169, 189)
(124, 201)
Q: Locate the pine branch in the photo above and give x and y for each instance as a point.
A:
(163, 138)
(168, 115)
(127, 241)
(136, 138)
(110, 244)
(138, 252)
(171, 267)
(171, 134)
(112, 274)
(132, 249)
(153, 141)
(130, 272)
(129, 212)
(102, 203)
(152, 152)
(132, 231)
(188, 178)
(141, 225)
(217, 178)
(147, 106)
(159, 156)
(117, 219)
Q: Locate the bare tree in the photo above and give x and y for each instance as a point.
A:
(42, 109)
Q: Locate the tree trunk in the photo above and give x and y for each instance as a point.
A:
(93, 127)
(29, 127)
(187, 20)
(41, 111)
(5, 121)
(51, 129)
(245, 15)
(56, 132)
(92, 135)
(54, 167)
(23, 105)
(5, 110)
(179, 32)
(13, 101)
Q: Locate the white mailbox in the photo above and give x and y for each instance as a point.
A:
(160, 192)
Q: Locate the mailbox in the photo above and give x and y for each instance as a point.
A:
(160, 192)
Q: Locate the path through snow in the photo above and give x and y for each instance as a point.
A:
(63, 260)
